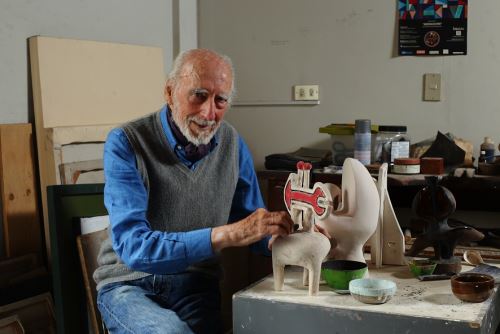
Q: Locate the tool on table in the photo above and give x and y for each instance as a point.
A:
(435, 277)
(473, 257)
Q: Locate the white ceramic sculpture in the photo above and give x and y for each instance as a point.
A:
(306, 248)
(387, 244)
(356, 219)
(351, 224)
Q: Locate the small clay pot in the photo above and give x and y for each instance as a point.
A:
(472, 287)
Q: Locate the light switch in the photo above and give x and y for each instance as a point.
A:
(432, 87)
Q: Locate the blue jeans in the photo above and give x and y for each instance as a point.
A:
(180, 303)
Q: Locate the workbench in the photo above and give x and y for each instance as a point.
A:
(417, 307)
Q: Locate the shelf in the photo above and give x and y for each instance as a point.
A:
(275, 103)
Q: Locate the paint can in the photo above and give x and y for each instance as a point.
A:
(432, 165)
(407, 166)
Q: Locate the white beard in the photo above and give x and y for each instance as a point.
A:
(203, 137)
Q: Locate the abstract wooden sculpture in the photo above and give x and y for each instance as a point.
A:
(306, 248)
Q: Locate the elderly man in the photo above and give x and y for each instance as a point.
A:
(174, 179)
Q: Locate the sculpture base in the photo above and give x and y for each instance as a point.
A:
(452, 265)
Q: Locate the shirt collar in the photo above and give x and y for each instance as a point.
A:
(173, 142)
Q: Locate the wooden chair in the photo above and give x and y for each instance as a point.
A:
(88, 249)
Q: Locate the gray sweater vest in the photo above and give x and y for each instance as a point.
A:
(180, 199)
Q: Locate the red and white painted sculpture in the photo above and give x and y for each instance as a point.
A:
(351, 224)
(306, 248)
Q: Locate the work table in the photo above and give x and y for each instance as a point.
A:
(417, 307)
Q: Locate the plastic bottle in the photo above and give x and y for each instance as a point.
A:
(362, 141)
(482, 155)
(489, 149)
(392, 142)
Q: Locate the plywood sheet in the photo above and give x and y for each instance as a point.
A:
(18, 191)
(91, 83)
(84, 88)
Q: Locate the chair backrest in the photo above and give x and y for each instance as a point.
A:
(88, 249)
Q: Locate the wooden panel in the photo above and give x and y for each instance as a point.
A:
(16, 266)
(83, 88)
(17, 184)
(81, 172)
(96, 83)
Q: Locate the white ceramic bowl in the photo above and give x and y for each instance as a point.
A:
(372, 290)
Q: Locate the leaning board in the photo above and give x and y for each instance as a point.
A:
(87, 87)
(18, 192)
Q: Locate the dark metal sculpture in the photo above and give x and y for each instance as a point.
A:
(434, 204)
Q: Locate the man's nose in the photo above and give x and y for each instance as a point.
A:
(208, 110)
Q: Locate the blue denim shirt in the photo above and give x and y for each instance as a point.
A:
(125, 198)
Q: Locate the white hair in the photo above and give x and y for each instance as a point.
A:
(183, 57)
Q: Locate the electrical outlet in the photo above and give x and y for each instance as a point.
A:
(306, 92)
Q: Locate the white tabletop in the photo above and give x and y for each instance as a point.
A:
(413, 298)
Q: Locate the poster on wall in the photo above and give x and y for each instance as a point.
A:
(432, 27)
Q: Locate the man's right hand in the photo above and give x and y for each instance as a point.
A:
(253, 228)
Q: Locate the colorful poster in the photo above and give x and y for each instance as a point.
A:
(432, 27)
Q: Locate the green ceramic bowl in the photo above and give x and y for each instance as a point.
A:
(421, 267)
(338, 273)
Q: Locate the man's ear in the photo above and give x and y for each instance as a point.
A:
(168, 94)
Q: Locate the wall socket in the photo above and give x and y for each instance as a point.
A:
(306, 92)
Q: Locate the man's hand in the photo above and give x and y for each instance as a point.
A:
(322, 230)
(317, 228)
(256, 226)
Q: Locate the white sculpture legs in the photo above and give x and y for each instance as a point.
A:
(305, 249)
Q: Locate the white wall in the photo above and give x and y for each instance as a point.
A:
(151, 22)
(348, 48)
(120, 21)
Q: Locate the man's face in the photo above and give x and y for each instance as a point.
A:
(200, 99)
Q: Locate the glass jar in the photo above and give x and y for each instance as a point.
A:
(392, 142)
